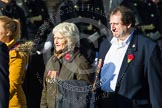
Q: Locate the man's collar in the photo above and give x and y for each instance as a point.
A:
(122, 43)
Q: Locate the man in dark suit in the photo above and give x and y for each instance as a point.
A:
(4, 72)
(131, 68)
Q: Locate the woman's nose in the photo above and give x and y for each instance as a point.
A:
(56, 40)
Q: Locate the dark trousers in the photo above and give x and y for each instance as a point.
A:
(33, 84)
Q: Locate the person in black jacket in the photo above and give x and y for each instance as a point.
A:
(35, 13)
(11, 9)
(4, 73)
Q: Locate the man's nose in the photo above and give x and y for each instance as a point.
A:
(112, 27)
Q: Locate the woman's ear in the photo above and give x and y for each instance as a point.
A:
(8, 33)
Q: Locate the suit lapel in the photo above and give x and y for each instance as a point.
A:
(131, 49)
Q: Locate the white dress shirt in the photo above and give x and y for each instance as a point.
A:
(113, 61)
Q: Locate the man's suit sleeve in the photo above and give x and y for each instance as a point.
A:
(4, 76)
(155, 78)
(104, 47)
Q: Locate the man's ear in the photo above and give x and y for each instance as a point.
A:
(129, 25)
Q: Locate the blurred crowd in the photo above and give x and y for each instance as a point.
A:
(38, 17)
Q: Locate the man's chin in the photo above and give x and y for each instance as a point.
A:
(116, 36)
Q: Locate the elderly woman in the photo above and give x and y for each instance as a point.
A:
(66, 64)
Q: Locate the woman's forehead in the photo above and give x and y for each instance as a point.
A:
(58, 34)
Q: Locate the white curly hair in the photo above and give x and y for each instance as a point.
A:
(70, 32)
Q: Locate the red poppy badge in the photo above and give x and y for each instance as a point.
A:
(130, 57)
(68, 56)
